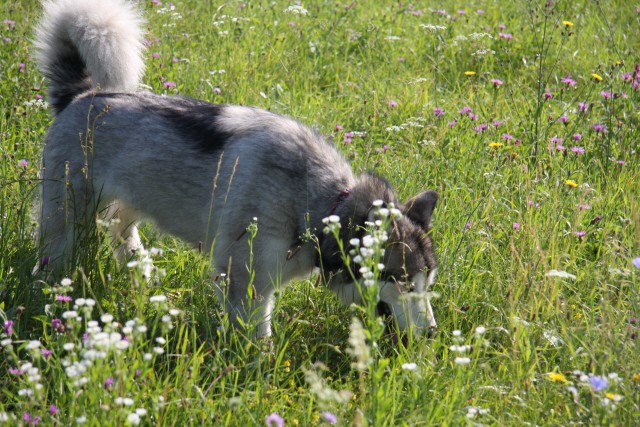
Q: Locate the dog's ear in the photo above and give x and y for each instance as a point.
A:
(420, 208)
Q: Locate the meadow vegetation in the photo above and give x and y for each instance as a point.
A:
(524, 117)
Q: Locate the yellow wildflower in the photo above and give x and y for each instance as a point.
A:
(495, 144)
(614, 397)
(636, 377)
(469, 73)
(557, 377)
(567, 23)
(572, 183)
(596, 77)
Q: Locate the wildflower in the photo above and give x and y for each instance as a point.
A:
(548, 95)
(63, 298)
(409, 366)
(469, 73)
(393, 103)
(329, 417)
(560, 273)
(516, 226)
(497, 123)
(133, 418)
(30, 420)
(598, 383)
(481, 128)
(507, 137)
(358, 348)
(569, 81)
(468, 225)
(57, 325)
(596, 77)
(8, 327)
(169, 84)
(571, 183)
(583, 107)
(46, 353)
(563, 119)
(462, 360)
(438, 112)
(53, 409)
(23, 163)
(577, 137)
(108, 383)
(296, 10)
(599, 128)
(274, 419)
(557, 377)
(567, 23)
(577, 150)
(507, 36)
(495, 144)
(496, 82)
(606, 94)
(580, 233)
(636, 262)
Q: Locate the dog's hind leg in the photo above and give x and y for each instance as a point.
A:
(123, 228)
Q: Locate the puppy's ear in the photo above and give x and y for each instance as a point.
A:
(420, 208)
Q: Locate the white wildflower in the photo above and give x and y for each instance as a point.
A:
(358, 348)
(296, 10)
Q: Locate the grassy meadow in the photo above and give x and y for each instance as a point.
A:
(524, 117)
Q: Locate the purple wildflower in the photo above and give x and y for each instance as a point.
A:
(8, 327)
(507, 136)
(46, 353)
(583, 207)
(516, 226)
(108, 383)
(580, 233)
(583, 107)
(169, 84)
(563, 119)
(620, 162)
(598, 383)
(599, 128)
(274, 419)
(507, 36)
(577, 150)
(636, 262)
(548, 95)
(155, 55)
(465, 110)
(606, 94)
(63, 298)
(577, 136)
(481, 128)
(23, 163)
(9, 22)
(497, 123)
(452, 123)
(438, 112)
(15, 371)
(329, 417)
(57, 325)
(468, 225)
(53, 409)
(339, 127)
(569, 81)
(496, 82)
(473, 116)
(393, 103)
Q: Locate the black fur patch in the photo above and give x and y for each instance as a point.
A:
(196, 121)
(69, 79)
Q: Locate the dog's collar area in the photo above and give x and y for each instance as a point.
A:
(344, 195)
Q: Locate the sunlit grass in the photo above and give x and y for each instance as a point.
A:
(523, 116)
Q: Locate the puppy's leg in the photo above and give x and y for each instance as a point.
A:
(124, 231)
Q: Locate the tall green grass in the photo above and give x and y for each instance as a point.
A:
(536, 229)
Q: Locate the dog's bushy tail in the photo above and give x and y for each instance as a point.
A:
(84, 44)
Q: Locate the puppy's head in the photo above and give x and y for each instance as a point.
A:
(410, 265)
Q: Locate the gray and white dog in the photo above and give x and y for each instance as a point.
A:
(202, 172)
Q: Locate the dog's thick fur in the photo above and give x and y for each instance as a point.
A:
(202, 172)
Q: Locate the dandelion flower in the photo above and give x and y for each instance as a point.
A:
(571, 183)
(596, 77)
(495, 144)
(567, 23)
(469, 73)
(557, 377)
